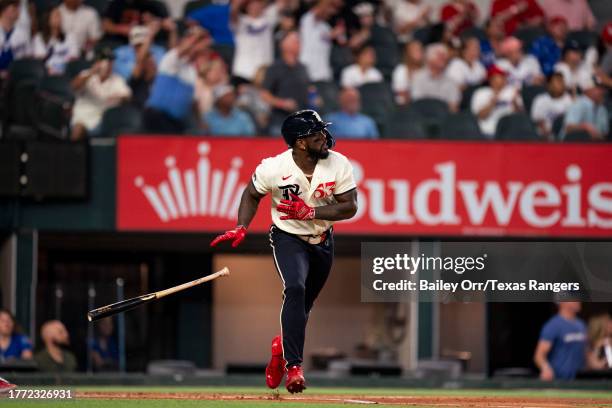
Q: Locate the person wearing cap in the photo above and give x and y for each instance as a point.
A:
(572, 67)
(349, 122)
(577, 13)
(548, 106)
(522, 69)
(547, 48)
(52, 45)
(225, 119)
(561, 349)
(140, 48)
(588, 112)
(97, 89)
(491, 103)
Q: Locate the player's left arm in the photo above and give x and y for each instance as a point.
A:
(343, 209)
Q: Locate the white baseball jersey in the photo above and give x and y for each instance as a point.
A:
(280, 176)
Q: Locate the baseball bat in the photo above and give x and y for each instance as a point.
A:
(128, 304)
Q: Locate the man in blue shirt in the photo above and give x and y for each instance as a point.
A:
(348, 122)
(225, 119)
(215, 19)
(588, 112)
(561, 350)
(547, 48)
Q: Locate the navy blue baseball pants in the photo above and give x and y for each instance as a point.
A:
(303, 269)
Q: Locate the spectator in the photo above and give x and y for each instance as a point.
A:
(467, 70)
(491, 102)
(549, 106)
(143, 68)
(121, 15)
(316, 36)
(13, 345)
(54, 358)
(588, 113)
(577, 13)
(97, 89)
(459, 15)
(214, 18)
(599, 355)
(53, 45)
(140, 43)
(363, 71)
(172, 97)
(285, 86)
(249, 99)
(349, 122)
(574, 70)
(370, 32)
(225, 119)
(286, 24)
(547, 48)
(211, 74)
(82, 23)
(253, 30)
(606, 58)
(561, 349)
(515, 14)
(522, 69)
(490, 48)
(433, 81)
(14, 32)
(408, 16)
(403, 74)
(104, 348)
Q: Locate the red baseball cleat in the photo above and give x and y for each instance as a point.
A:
(276, 367)
(295, 379)
(5, 386)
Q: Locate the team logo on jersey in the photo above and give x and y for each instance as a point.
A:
(290, 188)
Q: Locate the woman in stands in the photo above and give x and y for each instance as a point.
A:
(402, 74)
(53, 45)
(13, 345)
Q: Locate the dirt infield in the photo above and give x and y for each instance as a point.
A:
(442, 401)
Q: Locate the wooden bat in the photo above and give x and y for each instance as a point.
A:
(128, 304)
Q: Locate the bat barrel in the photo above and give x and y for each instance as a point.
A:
(118, 307)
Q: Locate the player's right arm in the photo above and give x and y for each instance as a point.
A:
(541, 361)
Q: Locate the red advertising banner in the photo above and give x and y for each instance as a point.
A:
(438, 188)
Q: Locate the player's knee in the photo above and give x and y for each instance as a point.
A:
(295, 290)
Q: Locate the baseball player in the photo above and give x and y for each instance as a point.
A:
(311, 188)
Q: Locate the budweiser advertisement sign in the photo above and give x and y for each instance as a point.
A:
(405, 188)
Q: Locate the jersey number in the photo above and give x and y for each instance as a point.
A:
(325, 190)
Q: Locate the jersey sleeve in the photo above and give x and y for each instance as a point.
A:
(549, 331)
(261, 177)
(345, 180)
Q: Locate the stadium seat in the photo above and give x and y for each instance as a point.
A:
(461, 126)
(54, 105)
(18, 114)
(474, 32)
(194, 5)
(328, 91)
(466, 97)
(73, 68)
(403, 124)
(432, 112)
(27, 68)
(577, 136)
(121, 119)
(557, 125)
(340, 57)
(585, 38)
(387, 51)
(377, 102)
(528, 35)
(516, 126)
(429, 34)
(529, 92)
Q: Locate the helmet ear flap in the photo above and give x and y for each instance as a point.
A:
(331, 142)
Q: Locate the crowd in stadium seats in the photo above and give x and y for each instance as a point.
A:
(521, 69)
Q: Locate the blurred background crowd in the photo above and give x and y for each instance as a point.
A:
(485, 69)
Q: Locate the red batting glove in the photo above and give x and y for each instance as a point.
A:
(236, 235)
(296, 209)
